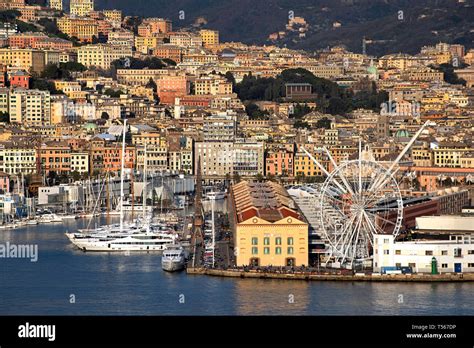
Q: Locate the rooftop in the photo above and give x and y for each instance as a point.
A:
(266, 200)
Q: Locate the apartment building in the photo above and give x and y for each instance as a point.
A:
(56, 4)
(168, 51)
(449, 154)
(80, 162)
(102, 55)
(56, 157)
(30, 107)
(81, 8)
(85, 29)
(182, 39)
(210, 85)
(17, 159)
(24, 59)
(209, 37)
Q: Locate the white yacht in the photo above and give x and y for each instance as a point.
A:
(149, 241)
(215, 195)
(50, 217)
(174, 258)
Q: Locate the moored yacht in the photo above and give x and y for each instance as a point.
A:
(215, 195)
(150, 241)
(174, 258)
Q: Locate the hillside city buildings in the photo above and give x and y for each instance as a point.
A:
(179, 90)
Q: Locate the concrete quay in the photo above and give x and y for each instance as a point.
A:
(419, 277)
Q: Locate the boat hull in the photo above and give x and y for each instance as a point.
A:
(172, 266)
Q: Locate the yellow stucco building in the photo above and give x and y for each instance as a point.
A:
(268, 229)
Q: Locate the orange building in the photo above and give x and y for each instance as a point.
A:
(152, 26)
(172, 52)
(56, 157)
(20, 79)
(172, 87)
(108, 158)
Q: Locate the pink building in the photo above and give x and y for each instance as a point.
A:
(4, 182)
(279, 160)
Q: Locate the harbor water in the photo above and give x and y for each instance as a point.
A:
(67, 281)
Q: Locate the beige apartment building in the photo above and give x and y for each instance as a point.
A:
(81, 8)
(102, 55)
(80, 162)
(140, 77)
(450, 154)
(212, 86)
(30, 107)
(16, 159)
(56, 4)
(82, 28)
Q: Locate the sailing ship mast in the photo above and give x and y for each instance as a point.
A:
(122, 174)
(145, 182)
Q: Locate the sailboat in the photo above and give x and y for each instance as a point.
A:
(139, 236)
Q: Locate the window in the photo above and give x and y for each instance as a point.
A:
(412, 265)
(290, 250)
(278, 250)
(444, 265)
(254, 250)
(386, 241)
(386, 252)
(398, 252)
(458, 252)
(444, 252)
(266, 241)
(428, 252)
(290, 240)
(278, 240)
(254, 241)
(470, 265)
(470, 252)
(266, 250)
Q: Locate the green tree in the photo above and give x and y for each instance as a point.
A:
(52, 71)
(43, 85)
(449, 75)
(255, 113)
(301, 124)
(324, 123)
(4, 117)
(236, 178)
(113, 93)
(76, 176)
(259, 177)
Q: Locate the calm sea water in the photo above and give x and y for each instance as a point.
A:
(116, 284)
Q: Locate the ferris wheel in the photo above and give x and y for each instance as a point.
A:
(355, 207)
(358, 200)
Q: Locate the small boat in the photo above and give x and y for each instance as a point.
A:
(69, 217)
(215, 195)
(174, 258)
(32, 222)
(49, 218)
